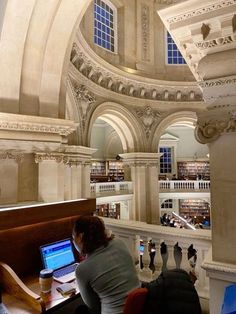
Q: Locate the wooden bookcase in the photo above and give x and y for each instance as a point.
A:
(193, 207)
(108, 210)
(104, 171)
(193, 169)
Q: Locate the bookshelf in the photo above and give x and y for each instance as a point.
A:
(194, 208)
(116, 170)
(98, 171)
(193, 169)
(108, 210)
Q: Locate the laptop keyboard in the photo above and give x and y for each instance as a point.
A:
(64, 271)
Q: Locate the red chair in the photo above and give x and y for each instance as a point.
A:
(135, 300)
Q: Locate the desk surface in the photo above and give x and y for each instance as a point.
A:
(52, 300)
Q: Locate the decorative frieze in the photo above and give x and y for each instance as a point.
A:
(145, 32)
(213, 123)
(123, 84)
(218, 82)
(57, 157)
(141, 159)
(216, 42)
(16, 156)
(148, 117)
(199, 11)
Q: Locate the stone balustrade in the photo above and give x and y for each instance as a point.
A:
(109, 187)
(184, 185)
(127, 186)
(173, 249)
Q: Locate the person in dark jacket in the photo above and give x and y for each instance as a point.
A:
(172, 293)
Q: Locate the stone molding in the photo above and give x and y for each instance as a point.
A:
(221, 41)
(218, 82)
(214, 122)
(219, 270)
(109, 77)
(144, 160)
(14, 122)
(40, 157)
(16, 156)
(202, 10)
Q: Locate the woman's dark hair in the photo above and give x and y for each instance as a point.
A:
(94, 233)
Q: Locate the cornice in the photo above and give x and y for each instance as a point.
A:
(109, 77)
(200, 29)
(141, 159)
(223, 81)
(14, 122)
(99, 91)
(201, 10)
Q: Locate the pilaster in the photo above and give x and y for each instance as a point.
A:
(144, 174)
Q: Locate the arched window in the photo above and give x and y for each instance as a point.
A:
(167, 204)
(105, 28)
(173, 54)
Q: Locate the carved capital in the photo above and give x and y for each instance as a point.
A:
(144, 160)
(40, 157)
(16, 156)
(213, 123)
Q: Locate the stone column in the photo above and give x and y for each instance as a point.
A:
(50, 176)
(144, 175)
(217, 127)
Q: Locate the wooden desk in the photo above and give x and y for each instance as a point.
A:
(52, 300)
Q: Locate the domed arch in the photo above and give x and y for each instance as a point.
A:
(187, 116)
(123, 122)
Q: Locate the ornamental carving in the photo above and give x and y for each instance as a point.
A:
(200, 11)
(149, 118)
(218, 82)
(145, 32)
(18, 157)
(216, 42)
(40, 157)
(84, 99)
(140, 163)
(211, 125)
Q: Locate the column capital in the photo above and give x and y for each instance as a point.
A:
(214, 122)
(14, 155)
(141, 159)
(52, 156)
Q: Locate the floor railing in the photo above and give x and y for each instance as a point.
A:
(107, 187)
(174, 248)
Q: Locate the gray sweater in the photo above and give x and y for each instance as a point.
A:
(106, 277)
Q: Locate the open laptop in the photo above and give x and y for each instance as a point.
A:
(59, 256)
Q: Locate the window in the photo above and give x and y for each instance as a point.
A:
(167, 204)
(104, 25)
(173, 54)
(166, 160)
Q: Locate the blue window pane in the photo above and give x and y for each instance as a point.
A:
(103, 25)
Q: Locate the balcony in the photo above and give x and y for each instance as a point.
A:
(178, 243)
(184, 186)
(111, 188)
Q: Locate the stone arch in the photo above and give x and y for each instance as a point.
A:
(38, 55)
(180, 116)
(124, 124)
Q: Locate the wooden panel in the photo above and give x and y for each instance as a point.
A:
(31, 227)
(27, 215)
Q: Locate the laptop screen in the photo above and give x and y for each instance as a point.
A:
(58, 254)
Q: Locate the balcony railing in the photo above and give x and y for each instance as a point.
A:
(175, 248)
(109, 187)
(185, 185)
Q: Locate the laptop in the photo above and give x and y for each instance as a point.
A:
(59, 256)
